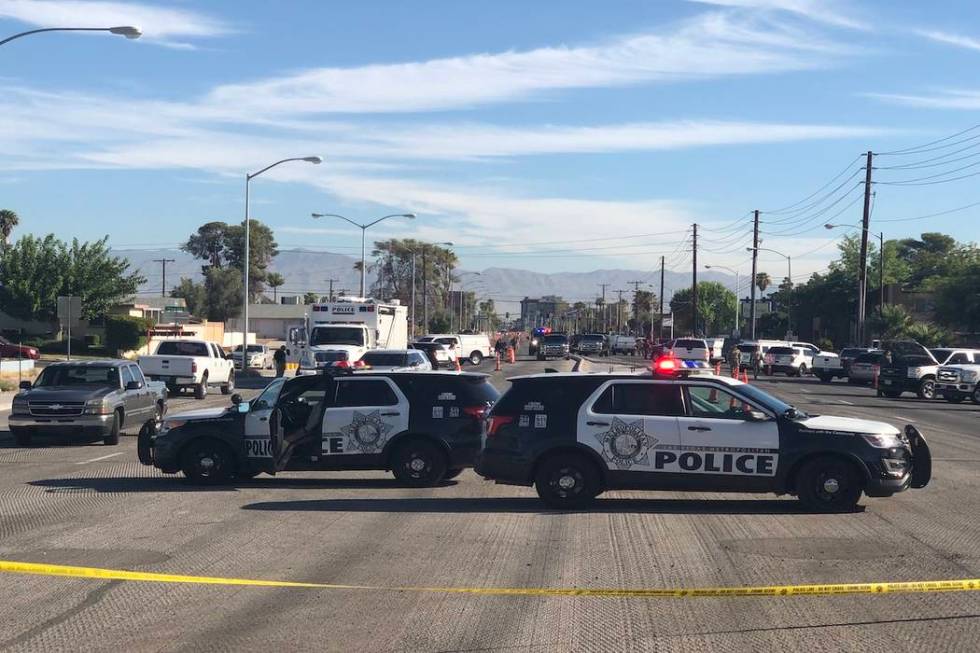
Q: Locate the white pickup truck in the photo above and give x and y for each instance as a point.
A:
(827, 366)
(195, 364)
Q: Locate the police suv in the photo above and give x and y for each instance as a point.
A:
(423, 426)
(576, 435)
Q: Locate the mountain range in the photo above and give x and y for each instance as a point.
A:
(306, 270)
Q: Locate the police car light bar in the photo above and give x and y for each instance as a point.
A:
(670, 366)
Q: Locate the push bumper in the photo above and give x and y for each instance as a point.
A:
(916, 476)
(954, 389)
(87, 425)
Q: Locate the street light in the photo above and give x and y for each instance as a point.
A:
(737, 300)
(129, 31)
(248, 178)
(789, 272)
(881, 260)
(364, 228)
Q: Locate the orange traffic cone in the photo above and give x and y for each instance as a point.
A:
(511, 355)
(459, 368)
(745, 376)
(718, 368)
(497, 368)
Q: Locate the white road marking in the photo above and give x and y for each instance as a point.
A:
(845, 402)
(804, 390)
(907, 419)
(95, 460)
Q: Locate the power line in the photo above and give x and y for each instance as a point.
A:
(932, 215)
(920, 148)
(816, 192)
(790, 231)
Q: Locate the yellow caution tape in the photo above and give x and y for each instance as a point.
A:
(95, 573)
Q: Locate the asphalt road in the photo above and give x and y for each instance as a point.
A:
(71, 505)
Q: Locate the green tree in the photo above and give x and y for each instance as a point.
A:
(893, 322)
(311, 298)
(275, 280)
(35, 271)
(222, 293)
(763, 281)
(716, 309)
(193, 295)
(125, 333)
(222, 245)
(208, 243)
(8, 220)
(957, 298)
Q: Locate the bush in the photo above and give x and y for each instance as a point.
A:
(825, 344)
(125, 333)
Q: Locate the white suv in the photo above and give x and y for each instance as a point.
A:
(688, 349)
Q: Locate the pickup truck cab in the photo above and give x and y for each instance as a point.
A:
(553, 345)
(86, 400)
(689, 349)
(425, 427)
(594, 344)
(197, 365)
(827, 366)
(959, 376)
(473, 347)
(907, 366)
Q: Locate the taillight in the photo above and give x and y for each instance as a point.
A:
(193, 367)
(496, 421)
(476, 412)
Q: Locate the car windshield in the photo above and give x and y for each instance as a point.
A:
(592, 338)
(337, 336)
(941, 355)
(765, 399)
(74, 375)
(691, 344)
(182, 348)
(269, 396)
(251, 349)
(555, 340)
(380, 359)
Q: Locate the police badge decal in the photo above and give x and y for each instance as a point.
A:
(626, 444)
(367, 432)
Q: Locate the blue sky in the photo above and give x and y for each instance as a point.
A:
(595, 131)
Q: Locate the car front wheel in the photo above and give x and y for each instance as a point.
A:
(828, 485)
(208, 462)
(975, 396)
(927, 389)
(112, 438)
(418, 463)
(566, 481)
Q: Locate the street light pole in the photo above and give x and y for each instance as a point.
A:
(363, 228)
(248, 178)
(881, 260)
(738, 301)
(129, 31)
(789, 271)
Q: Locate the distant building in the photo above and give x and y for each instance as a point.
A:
(539, 312)
(270, 321)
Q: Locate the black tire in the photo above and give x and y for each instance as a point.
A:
(891, 394)
(801, 371)
(975, 395)
(418, 463)
(144, 446)
(926, 389)
(228, 388)
(112, 439)
(453, 473)
(201, 389)
(476, 358)
(567, 480)
(22, 437)
(828, 484)
(206, 461)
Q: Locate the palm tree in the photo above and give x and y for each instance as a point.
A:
(763, 281)
(274, 280)
(8, 220)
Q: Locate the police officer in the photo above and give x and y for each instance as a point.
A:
(279, 358)
(756, 361)
(734, 358)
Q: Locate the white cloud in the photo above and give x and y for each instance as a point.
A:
(709, 45)
(968, 100)
(949, 38)
(823, 11)
(160, 24)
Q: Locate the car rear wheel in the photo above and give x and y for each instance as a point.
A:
(801, 371)
(975, 396)
(828, 485)
(927, 389)
(568, 480)
(208, 462)
(418, 463)
(825, 378)
(476, 358)
(112, 439)
(201, 389)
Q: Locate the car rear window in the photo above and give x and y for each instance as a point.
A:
(851, 352)
(182, 348)
(559, 399)
(781, 350)
(869, 358)
(385, 360)
(690, 344)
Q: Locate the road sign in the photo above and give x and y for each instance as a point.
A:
(668, 319)
(69, 310)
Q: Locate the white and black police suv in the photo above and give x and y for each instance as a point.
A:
(425, 427)
(575, 435)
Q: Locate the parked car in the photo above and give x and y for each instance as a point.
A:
(11, 350)
(827, 366)
(593, 344)
(473, 347)
(865, 367)
(87, 400)
(848, 354)
(907, 367)
(622, 345)
(396, 360)
(690, 349)
(957, 382)
(788, 360)
(437, 353)
(259, 357)
(194, 364)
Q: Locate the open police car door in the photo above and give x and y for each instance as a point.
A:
(262, 428)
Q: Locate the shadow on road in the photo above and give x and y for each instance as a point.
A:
(533, 505)
(135, 484)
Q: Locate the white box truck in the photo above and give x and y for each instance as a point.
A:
(341, 332)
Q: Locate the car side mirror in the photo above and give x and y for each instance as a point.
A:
(236, 399)
(25, 385)
(790, 413)
(757, 416)
(133, 385)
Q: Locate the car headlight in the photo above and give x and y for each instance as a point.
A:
(884, 440)
(913, 372)
(19, 407)
(969, 376)
(97, 407)
(169, 424)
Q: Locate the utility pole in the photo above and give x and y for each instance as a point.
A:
(604, 286)
(425, 294)
(755, 258)
(662, 298)
(881, 273)
(863, 271)
(163, 261)
(619, 310)
(330, 293)
(694, 282)
(636, 306)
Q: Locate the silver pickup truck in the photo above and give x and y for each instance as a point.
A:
(86, 400)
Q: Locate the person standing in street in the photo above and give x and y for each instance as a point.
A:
(756, 361)
(734, 358)
(279, 358)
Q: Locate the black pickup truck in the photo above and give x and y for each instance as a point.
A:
(907, 366)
